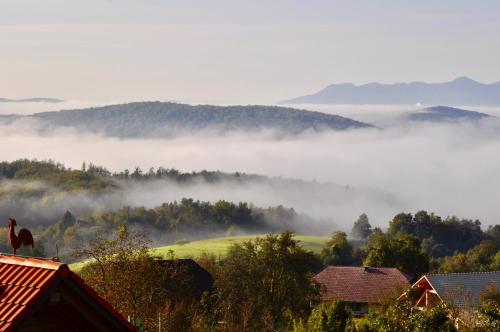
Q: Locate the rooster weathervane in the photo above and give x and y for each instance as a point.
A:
(23, 238)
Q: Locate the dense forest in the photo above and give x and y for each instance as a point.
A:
(418, 244)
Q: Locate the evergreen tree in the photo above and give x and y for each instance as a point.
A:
(361, 228)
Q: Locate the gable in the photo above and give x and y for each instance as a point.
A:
(69, 308)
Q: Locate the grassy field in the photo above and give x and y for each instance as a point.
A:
(219, 247)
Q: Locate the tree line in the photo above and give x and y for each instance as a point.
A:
(95, 177)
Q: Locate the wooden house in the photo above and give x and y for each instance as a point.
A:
(461, 290)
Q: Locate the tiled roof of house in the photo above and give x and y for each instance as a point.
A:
(25, 281)
(359, 284)
(463, 288)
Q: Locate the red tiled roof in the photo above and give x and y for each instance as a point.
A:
(23, 281)
(355, 284)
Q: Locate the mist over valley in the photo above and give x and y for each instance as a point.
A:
(332, 176)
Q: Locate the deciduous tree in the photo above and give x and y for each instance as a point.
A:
(263, 283)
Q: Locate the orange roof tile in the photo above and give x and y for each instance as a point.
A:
(357, 284)
(23, 282)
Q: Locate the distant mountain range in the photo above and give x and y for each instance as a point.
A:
(461, 91)
(31, 100)
(446, 114)
(157, 119)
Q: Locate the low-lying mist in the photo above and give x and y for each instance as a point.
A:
(326, 205)
(451, 169)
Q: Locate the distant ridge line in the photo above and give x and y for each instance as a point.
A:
(32, 100)
(461, 91)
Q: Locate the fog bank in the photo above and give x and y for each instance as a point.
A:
(451, 169)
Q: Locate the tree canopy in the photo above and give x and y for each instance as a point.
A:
(441, 237)
(262, 282)
(337, 250)
(404, 252)
(361, 228)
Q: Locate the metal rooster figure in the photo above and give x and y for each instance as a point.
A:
(23, 238)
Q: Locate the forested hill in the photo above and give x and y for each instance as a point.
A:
(97, 178)
(157, 119)
(445, 113)
(39, 192)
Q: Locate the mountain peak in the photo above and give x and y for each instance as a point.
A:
(464, 79)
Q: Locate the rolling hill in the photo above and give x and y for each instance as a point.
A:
(445, 114)
(157, 119)
(461, 91)
(220, 246)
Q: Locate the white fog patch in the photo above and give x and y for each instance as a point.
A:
(38, 203)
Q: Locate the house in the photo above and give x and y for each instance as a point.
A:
(461, 290)
(43, 295)
(188, 274)
(360, 287)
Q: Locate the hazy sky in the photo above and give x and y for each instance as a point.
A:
(237, 51)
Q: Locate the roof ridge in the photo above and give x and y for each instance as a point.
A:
(32, 262)
(362, 267)
(473, 272)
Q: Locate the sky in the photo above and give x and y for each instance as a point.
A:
(232, 51)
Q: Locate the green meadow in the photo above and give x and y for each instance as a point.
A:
(219, 247)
